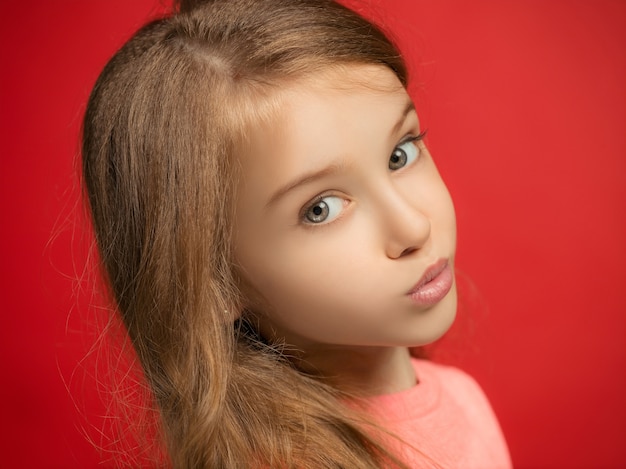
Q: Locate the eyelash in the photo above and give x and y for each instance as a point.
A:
(417, 138)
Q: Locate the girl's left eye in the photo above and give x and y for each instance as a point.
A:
(323, 210)
(405, 153)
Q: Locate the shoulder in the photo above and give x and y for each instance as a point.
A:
(461, 401)
(460, 397)
(447, 416)
(442, 372)
(451, 380)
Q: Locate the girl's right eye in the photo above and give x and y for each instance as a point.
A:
(323, 210)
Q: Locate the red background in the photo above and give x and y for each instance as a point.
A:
(526, 106)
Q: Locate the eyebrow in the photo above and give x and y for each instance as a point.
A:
(306, 178)
(407, 110)
(331, 169)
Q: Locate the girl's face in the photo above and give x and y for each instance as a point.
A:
(345, 230)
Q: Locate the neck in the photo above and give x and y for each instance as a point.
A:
(366, 370)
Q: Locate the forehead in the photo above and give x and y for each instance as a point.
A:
(267, 106)
(313, 110)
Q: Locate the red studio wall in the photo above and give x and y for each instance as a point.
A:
(526, 109)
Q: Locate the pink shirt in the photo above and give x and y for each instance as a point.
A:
(447, 418)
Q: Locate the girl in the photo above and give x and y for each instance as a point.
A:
(276, 236)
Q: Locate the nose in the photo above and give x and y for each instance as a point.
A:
(405, 225)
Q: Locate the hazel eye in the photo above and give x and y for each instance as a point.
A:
(404, 154)
(323, 210)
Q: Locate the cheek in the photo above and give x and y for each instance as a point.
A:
(444, 210)
(312, 267)
(313, 283)
(438, 202)
(450, 216)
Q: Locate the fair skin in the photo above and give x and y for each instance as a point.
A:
(340, 213)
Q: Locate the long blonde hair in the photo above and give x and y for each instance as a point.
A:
(161, 131)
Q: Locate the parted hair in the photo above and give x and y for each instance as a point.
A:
(160, 138)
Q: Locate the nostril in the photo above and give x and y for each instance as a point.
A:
(408, 251)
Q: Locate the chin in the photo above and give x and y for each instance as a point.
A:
(437, 321)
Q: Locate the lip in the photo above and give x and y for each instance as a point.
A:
(434, 284)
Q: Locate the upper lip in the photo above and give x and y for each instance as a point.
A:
(429, 274)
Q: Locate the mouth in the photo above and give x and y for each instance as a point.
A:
(434, 284)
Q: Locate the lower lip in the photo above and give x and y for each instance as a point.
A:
(434, 291)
